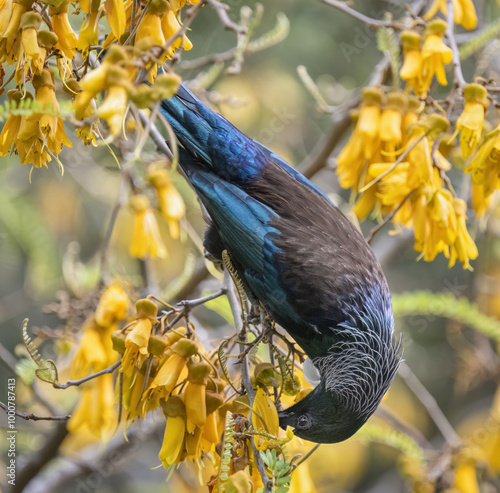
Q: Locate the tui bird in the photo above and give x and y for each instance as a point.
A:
(301, 259)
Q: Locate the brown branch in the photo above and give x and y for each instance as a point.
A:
(34, 417)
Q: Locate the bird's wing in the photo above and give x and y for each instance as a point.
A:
(245, 225)
(295, 174)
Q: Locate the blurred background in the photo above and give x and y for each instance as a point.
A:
(50, 222)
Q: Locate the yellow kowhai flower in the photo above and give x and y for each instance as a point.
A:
(175, 431)
(137, 339)
(95, 413)
(150, 26)
(442, 228)
(86, 132)
(11, 40)
(51, 126)
(10, 130)
(46, 41)
(5, 14)
(364, 142)
(112, 306)
(146, 239)
(391, 134)
(114, 106)
(96, 80)
(170, 25)
(388, 192)
(350, 162)
(411, 70)
(67, 39)
(168, 374)
(176, 5)
(29, 51)
(41, 134)
(210, 431)
(435, 54)
(368, 124)
(492, 445)
(411, 116)
(465, 471)
(169, 199)
(470, 122)
(116, 17)
(485, 169)
(420, 142)
(93, 354)
(89, 35)
(480, 202)
(195, 395)
(464, 12)
(95, 351)
(265, 418)
(463, 248)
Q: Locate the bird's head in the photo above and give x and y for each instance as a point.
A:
(355, 374)
(321, 417)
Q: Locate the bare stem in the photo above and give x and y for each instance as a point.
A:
(450, 35)
(388, 218)
(34, 417)
(344, 7)
(76, 383)
(245, 372)
(428, 401)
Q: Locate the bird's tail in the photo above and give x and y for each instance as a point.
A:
(191, 121)
(212, 141)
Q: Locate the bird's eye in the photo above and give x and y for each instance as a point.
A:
(303, 421)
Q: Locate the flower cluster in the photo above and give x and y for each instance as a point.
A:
(146, 238)
(423, 61)
(411, 188)
(464, 12)
(170, 371)
(95, 413)
(33, 36)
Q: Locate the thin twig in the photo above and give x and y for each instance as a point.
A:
(342, 121)
(245, 373)
(387, 219)
(450, 35)
(221, 9)
(344, 7)
(155, 134)
(189, 304)
(428, 401)
(34, 417)
(398, 161)
(76, 383)
(303, 459)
